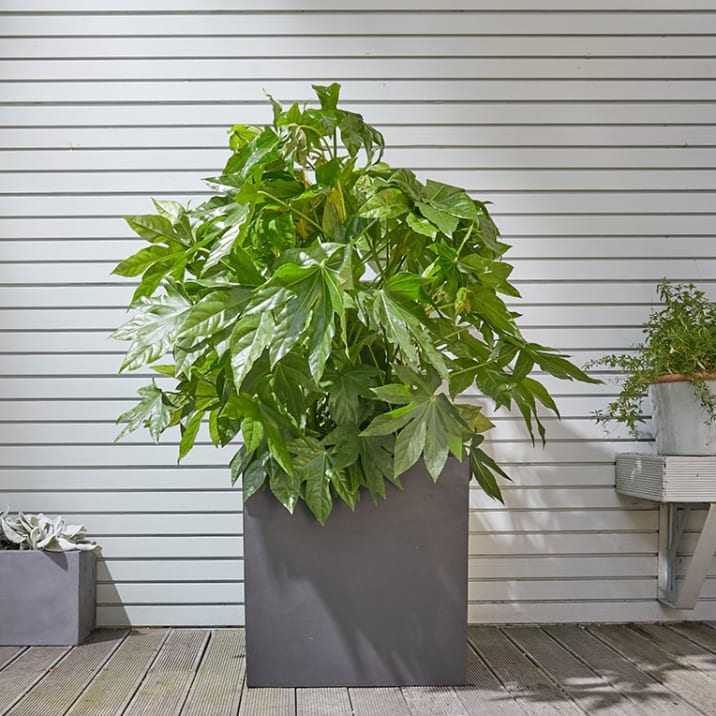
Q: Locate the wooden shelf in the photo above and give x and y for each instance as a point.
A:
(677, 482)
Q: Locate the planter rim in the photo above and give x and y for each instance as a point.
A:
(680, 377)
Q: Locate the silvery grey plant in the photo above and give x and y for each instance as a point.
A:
(40, 532)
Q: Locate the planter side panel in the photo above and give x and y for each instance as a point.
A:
(46, 598)
(376, 597)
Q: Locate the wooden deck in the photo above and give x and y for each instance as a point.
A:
(599, 669)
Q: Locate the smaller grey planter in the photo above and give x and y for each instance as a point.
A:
(46, 598)
(682, 427)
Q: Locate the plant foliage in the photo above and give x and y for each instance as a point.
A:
(326, 310)
(39, 532)
(679, 339)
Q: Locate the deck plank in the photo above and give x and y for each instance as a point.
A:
(216, 690)
(18, 677)
(378, 702)
(589, 690)
(692, 686)
(170, 676)
(621, 673)
(268, 702)
(530, 687)
(699, 633)
(323, 702)
(685, 651)
(484, 694)
(433, 701)
(67, 680)
(8, 653)
(113, 687)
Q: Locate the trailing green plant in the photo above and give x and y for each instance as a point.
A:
(327, 310)
(39, 532)
(679, 339)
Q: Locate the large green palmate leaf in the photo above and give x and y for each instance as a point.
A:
(153, 330)
(153, 412)
(347, 392)
(429, 425)
(404, 330)
(313, 468)
(207, 317)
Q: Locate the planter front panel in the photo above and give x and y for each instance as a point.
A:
(375, 597)
(46, 598)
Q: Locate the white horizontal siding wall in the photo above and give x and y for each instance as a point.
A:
(590, 125)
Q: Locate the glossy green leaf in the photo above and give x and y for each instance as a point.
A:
(394, 393)
(429, 425)
(242, 134)
(390, 422)
(317, 493)
(252, 431)
(189, 433)
(153, 330)
(346, 390)
(334, 212)
(152, 227)
(341, 484)
(386, 204)
(397, 324)
(285, 488)
(207, 317)
(328, 95)
(312, 467)
(474, 417)
(560, 367)
(485, 470)
(437, 436)
(523, 366)
(233, 234)
(254, 477)
(142, 260)
(153, 277)
(250, 338)
(450, 199)
(421, 225)
(238, 463)
(409, 445)
(445, 222)
(169, 209)
(153, 412)
(273, 423)
(492, 309)
(329, 173)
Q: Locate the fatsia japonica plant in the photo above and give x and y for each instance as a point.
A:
(324, 311)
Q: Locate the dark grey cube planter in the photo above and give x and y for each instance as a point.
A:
(46, 598)
(377, 597)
